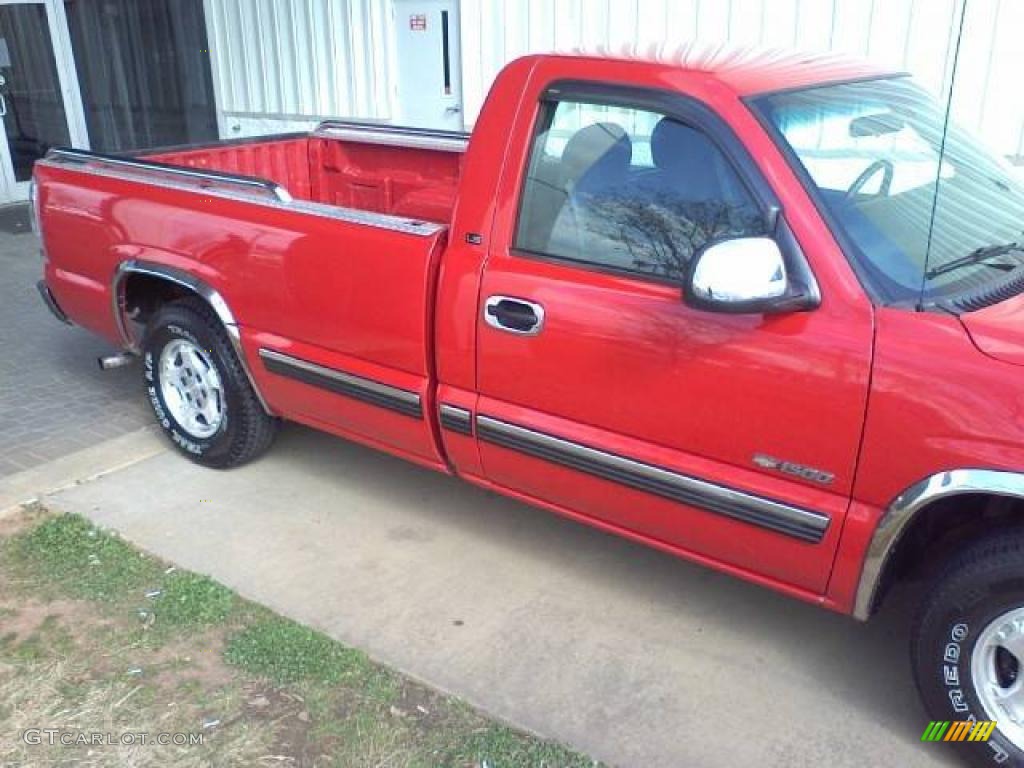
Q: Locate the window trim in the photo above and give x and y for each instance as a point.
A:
(677, 106)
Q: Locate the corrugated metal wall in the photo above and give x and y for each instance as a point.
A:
(281, 64)
(284, 64)
(915, 35)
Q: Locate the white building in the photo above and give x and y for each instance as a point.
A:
(114, 75)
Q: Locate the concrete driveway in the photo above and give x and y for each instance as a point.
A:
(628, 654)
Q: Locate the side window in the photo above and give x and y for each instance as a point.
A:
(629, 190)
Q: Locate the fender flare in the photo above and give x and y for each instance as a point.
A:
(905, 508)
(191, 283)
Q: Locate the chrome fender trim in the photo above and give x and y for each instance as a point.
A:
(179, 277)
(904, 509)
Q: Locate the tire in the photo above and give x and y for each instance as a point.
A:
(188, 360)
(955, 639)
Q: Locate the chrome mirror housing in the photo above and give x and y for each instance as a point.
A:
(745, 274)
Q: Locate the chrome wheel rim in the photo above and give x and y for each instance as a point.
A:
(997, 668)
(191, 388)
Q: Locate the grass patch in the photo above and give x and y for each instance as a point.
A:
(498, 745)
(190, 600)
(70, 556)
(286, 652)
(74, 654)
(67, 556)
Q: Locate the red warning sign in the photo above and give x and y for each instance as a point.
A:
(418, 22)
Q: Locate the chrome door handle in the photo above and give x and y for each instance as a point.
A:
(513, 315)
(3, 106)
(452, 110)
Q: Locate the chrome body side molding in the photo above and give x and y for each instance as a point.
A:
(183, 279)
(392, 135)
(803, 524)
(226, 186)
(904, 509)
(456, 419)
(403, 401)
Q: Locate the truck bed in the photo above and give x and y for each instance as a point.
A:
(324, 246)
(381, 169)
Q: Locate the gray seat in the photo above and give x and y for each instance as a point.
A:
(688, 167)
(595, 166)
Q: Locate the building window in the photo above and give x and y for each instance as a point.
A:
(144, 72)
(30, 99)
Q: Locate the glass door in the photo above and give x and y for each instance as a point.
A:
(36, 82)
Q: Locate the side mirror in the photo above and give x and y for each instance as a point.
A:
(745, 274)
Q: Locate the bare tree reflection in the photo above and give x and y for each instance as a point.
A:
(659, 233)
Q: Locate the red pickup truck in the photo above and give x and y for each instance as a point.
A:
(761, 312)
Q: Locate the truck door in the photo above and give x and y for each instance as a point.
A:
(730, 438)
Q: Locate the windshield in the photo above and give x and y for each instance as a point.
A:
(871, 149)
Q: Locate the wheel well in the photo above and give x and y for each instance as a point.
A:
(145, 294)
(941, 529)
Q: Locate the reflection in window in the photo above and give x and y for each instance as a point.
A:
(628, 190)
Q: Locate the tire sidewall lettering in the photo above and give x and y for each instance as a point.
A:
(955, 678)
(154, 397)
(952, 656)
(177, 330)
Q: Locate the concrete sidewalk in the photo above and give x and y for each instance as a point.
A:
(628, 654)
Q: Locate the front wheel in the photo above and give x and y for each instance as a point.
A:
(200, 394)
(967, 648)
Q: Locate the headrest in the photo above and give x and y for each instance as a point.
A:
(601, 148)
(674, 146)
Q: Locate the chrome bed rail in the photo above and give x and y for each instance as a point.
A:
(392, 135)
(249, 185)
(248, 189)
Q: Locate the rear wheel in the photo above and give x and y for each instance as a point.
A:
(198, 389)
(967, 646)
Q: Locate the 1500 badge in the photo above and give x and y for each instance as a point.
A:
(797, 470)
